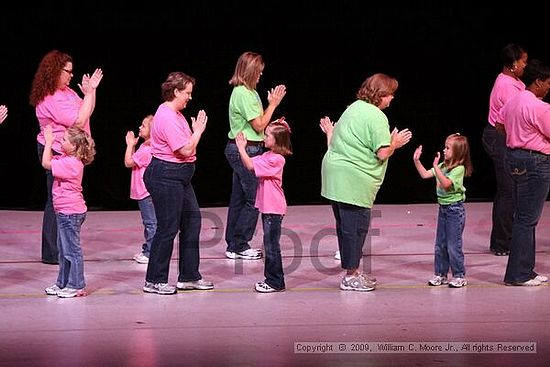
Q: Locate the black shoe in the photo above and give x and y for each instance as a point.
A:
(50, 262)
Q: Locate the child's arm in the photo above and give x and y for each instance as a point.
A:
(327, 126)
(240, 141)
(131, 142)
(444, 182)
(47, 155)
(423, 172)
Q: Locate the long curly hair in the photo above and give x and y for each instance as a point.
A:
(46, 78)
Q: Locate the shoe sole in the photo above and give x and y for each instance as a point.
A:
(344, 288)
(191, 288)
(244, 257)
(81, 294)
(154, 291)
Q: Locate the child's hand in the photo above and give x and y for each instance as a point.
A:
(417, 153)
(131, 139)
(240, 140)
(436, 159)
(326, 125)
(48, 134)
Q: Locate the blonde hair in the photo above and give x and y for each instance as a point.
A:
(281, 133)
(83, 143)
(460, 153)
(249, 67)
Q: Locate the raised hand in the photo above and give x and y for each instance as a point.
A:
(240, 140)
(96, 77)
(275, 95)
(199, 122)
(131, 139)
(417, 153)
(400, 138)
(3, 113)
(436, 159)
(326, 125)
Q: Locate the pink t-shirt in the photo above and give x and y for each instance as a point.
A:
(527, 123)
(505, 87)
(67, 185)
(270, 197)
(142, 157)
(60, 110)
(169, 133)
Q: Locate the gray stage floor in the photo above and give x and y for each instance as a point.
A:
(402, 323)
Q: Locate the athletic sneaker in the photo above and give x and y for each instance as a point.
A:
(52, 290)
(141, 258)
(438, 280)
(337, 255)
(541, 278)
(528, 283)
(159, 288)
(458, 283)
(200, 284)
(263, 287)
(250, 254)
(356, 283)
(71, 292)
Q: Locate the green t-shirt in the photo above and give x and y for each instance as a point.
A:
(351, 172)
(244, 106)
(457, 191)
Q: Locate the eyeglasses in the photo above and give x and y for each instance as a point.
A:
(70, 72)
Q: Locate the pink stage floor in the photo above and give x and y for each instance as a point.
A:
(402, 323)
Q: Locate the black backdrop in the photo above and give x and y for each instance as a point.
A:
(445, 58)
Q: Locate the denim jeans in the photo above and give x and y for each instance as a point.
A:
(176, 209)
(494, 144)
(149, 219)
(50, 253)
(242, 215)
(273, 270)
(530, 173)
(448, 242)
(352, 227)
(71, 261)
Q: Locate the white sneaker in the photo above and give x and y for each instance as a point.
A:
(52, 290)
(200, 284)
(263, 287)
(337, 255)
(458, 283)
(141, 258)
(71, 292)
(250, 254)
(438, 280)
(541, 278)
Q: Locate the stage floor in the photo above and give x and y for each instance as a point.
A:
(402, 323)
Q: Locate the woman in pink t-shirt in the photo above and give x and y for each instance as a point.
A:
(168, 180)
(138, 160)
(69, 205)
(270, 197)
(506, 86)
(526, 119)
(58, 106)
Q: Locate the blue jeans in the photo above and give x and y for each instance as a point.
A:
(242, 215)
(149, 219)
(50, 253)
(273, 270)
(176, 209)
(352, 227)
(530, 173)
(448, 243)
(494, 144)
(71, 261)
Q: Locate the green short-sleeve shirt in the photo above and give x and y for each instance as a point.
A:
(457, 192)
(244, 106)
(351, 172)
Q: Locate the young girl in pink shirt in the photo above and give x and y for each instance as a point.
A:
(138, 160)
(69, 205)
(270, 197)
